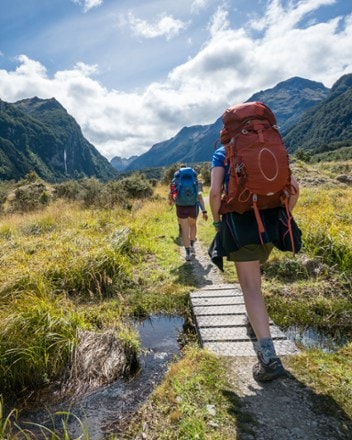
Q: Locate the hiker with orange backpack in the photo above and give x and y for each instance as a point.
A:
(252, 191)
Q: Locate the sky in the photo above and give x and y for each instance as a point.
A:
(133, 73)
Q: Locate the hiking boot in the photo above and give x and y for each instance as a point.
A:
(188, 254)
(263, 372)
(193, 251)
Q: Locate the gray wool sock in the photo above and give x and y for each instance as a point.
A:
(266, 346)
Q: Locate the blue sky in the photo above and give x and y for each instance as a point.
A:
(133, 73)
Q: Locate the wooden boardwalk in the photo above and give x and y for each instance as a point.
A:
(220, 318)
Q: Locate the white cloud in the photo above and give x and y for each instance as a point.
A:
(164, 25)
(199, 5)
(231, 66)
(88, 4)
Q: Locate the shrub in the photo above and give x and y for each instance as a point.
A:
(135, 186)
(29, 197)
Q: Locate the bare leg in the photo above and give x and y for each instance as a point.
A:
(269, 366)
(185, 231)
(192, 228)
(249, 277)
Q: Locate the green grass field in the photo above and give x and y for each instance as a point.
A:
(66, 268)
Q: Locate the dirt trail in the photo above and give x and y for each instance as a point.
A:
(284, 409)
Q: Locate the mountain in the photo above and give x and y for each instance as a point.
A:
(191, 144)
(39, 135)
(120, 163)
(327, 126)
(288, 100)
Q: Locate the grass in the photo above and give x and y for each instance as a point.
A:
(68, 268)
(9, 428)
(329, 374)
(38, 334)
(193, 402)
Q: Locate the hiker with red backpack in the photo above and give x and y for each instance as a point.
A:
(252, 196)
(185, 193)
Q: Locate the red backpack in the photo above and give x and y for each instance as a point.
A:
(259, 171)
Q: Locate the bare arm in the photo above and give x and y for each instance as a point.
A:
(294, 197)
(201, 202)
(202, 206)
(216, 187)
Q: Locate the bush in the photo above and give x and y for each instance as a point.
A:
(135, 186)
(70, 190)
(29, 197)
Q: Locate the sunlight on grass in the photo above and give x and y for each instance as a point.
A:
(37, 337)
(192, 401)
(68, 268)
(327, 373)
(325, 216)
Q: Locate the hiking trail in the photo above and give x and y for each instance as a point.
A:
(284, 409)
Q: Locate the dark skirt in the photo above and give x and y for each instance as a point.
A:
(239, 238)
(239, 230)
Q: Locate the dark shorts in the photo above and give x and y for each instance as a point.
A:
(186, 211)
(252, 252)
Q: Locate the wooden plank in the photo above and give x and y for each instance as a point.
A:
(247, 348)
(236, 309)
(219, 314)
(218, 301)
(239, 333)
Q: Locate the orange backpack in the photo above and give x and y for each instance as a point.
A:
(259, 171)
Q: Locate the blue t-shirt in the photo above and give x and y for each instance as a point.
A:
(218, 158)
(219, 161)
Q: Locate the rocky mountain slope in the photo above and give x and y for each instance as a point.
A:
(327, 126)
(39, 135)
(289, 100)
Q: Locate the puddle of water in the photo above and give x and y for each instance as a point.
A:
(312, 338)
(105, 408)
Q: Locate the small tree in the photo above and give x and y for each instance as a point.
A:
(303, 155)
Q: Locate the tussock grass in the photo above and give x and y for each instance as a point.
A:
(326, 218)
(314, 289)
(192, 402)
(68, 249)
(68, 269)
(37, 336)
(329, 374)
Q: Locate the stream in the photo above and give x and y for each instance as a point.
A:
(103, 410)
(312, 338)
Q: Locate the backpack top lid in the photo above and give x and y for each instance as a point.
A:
(185, 171)
(235, 116)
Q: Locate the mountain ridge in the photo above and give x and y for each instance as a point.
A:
(289, 100)
(39, 135)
